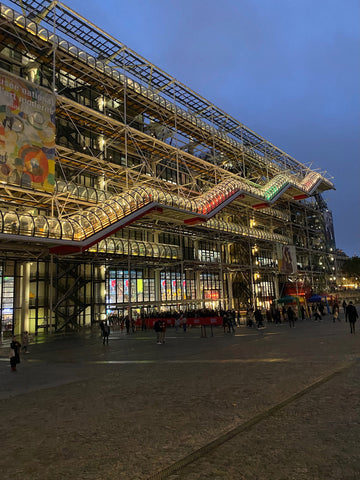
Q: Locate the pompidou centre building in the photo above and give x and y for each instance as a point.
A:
(123, 191)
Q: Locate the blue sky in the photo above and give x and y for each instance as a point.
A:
(287, 69)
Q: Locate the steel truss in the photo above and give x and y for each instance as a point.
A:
(125, 126)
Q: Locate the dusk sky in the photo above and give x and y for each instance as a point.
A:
(287, 69)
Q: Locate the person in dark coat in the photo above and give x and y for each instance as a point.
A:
(162, 331)
(225, 323)
(352, 316)
(105, 332)
(15, 347)
(259, 318)
(127, 325)
(157, 328)
(291, 317)
(344, 305)
(317, 314)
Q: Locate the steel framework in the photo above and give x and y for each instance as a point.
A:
(147, 170)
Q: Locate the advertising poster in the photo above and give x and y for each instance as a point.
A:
(286, 255)
(329, 230)
(27, 134)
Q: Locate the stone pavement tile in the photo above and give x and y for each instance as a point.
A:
(134, 408)
(315, 437)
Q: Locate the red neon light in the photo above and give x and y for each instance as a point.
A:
(211, 294)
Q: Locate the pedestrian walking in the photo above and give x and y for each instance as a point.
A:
(178, 320)
(14, 355)
(184, 324)
(127, 325)
(250, 317)
(105, 332)
(25, 342)
(259, 318)
(157, 329)
(291, 317)
(344, 305)
(336, 312)
(162, 331)
(225, 323)
(317, 314)
(352, 316)
(231, 325)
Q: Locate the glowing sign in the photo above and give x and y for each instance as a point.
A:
(211, 294)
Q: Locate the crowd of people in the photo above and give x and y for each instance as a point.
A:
(255, 317)
(230, 318)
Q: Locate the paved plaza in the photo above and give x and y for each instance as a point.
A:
(273, 404)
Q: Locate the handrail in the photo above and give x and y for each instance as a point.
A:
(122, 246)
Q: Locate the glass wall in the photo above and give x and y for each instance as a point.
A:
(6, 301)
(210, 286)
(123, 288)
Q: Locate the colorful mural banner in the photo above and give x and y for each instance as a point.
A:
(27, 134)
(286, 255)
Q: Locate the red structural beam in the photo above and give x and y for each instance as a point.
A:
(258, 206)
(194, 220)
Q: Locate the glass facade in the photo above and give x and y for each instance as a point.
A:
(7, 286)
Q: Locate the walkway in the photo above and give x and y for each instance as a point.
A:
(272, 404)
